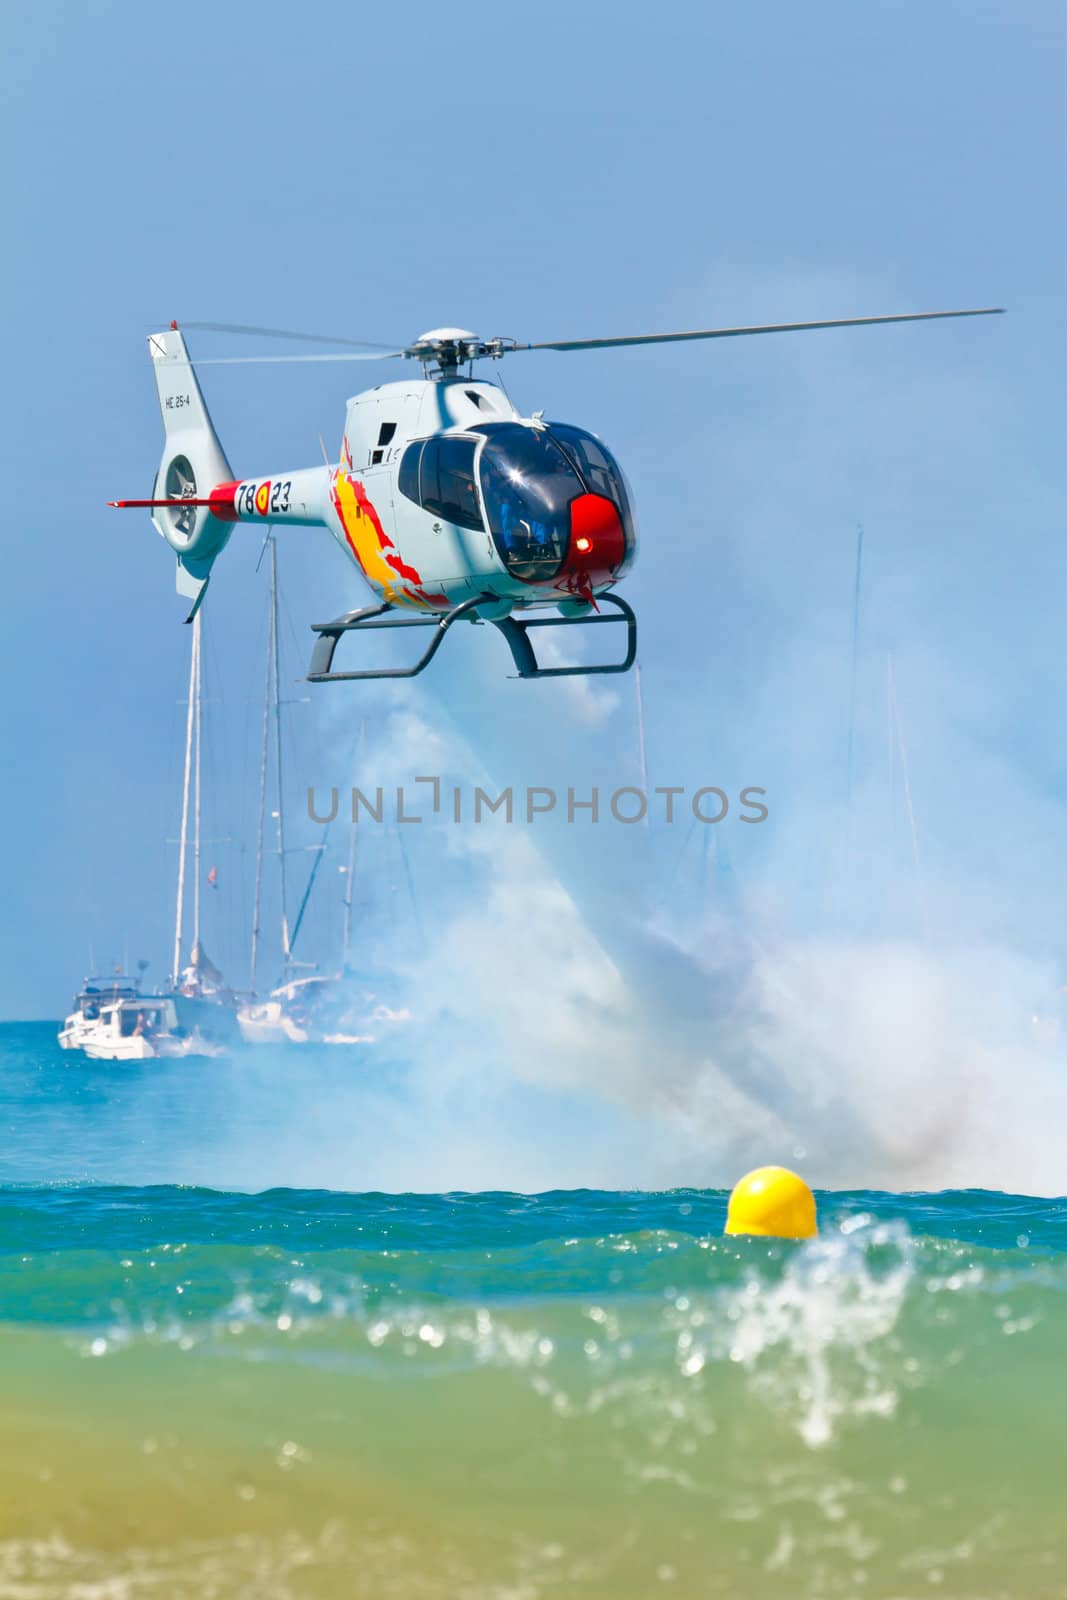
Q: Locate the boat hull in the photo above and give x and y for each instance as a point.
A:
(119, 1050)
(212, 1020)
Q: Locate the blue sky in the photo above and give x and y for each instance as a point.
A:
(552, 171)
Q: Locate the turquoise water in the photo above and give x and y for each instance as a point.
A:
(301, 1392)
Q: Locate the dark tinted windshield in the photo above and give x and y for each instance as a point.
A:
(529, 478)
(598, 467)
(528, 485)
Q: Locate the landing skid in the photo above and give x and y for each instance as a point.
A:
(516, 633)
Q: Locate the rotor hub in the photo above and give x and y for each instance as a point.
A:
(443, 351)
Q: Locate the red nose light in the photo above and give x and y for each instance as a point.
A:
(583, 544)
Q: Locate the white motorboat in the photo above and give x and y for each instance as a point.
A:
(85, 1016)
(139, 1028)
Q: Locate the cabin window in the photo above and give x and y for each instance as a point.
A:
(148, 1018)
(446, 480)
(385, 434)
(408, 480)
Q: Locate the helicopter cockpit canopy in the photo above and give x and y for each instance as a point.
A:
(554, 498)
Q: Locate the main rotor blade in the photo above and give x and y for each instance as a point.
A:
(283, 333)
(770, 327)
(242, 361)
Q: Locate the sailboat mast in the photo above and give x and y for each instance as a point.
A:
(180, 906)
(920, 881)
(346, 934)
(257, 900)
(642, 755)
(196, 795)
(286, 948)
(855, 662)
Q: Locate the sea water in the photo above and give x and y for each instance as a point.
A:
(306, 1392)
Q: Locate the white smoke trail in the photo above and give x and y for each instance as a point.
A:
(683, 1049)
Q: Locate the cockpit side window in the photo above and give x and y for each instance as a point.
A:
(446, 480)
(408, 479)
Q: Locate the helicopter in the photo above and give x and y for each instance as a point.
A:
(452, 504)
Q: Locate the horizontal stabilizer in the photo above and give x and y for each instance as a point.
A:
(176, 500)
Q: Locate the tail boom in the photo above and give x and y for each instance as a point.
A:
(300, 496)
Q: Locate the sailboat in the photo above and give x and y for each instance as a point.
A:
(306, 1006)
(287, 1014)
(112, 1019)
(204, 1004)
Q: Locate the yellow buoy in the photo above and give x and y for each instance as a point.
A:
(773, 1203)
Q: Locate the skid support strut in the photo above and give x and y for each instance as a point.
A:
(375, 617)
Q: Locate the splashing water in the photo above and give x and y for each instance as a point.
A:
(816, 1343)
(593, 1394)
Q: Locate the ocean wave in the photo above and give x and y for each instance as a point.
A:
(521, 1396)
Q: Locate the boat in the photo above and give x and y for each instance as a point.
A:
(85, 1013)
(196, 1014)
(203, 1000)
(205, 1005)
(140, 1028)
(305, 1006)
(291, 1014)
(288, 1014)
(318, 1009)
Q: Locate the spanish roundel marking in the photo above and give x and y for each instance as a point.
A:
(263, 498)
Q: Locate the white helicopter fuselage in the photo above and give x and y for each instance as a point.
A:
(409, 556)
(412, 556)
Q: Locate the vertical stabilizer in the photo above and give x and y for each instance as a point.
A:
(193, 465)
